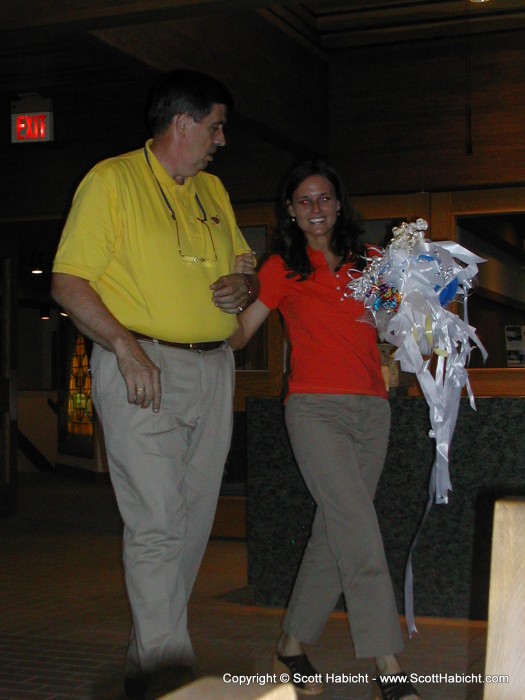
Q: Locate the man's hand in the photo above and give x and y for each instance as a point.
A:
(92, 318)
(231, 292)
(142, 376)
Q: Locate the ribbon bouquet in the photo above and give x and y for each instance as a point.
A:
(405, 290)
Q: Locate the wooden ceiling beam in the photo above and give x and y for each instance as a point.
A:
(30, 20)
(31, 13)
(340, 38)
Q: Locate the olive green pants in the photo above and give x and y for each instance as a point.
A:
(340, 442)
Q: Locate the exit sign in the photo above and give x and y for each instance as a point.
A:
(31, 127)
(31, 119)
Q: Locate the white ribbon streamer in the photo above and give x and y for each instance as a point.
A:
(405, 289)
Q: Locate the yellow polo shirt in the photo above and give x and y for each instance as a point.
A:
(121, 236)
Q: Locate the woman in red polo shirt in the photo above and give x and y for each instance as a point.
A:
(338, 420)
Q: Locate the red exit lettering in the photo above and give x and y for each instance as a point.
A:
(31, 127)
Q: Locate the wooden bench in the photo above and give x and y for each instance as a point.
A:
(506, 625)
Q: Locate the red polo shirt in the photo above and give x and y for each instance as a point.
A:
(333, 352)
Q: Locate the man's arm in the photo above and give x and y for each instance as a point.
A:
(224, 295)
(93, 319)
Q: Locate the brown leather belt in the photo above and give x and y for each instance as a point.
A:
(213, 345)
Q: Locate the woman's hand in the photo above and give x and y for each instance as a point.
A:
(245, 263)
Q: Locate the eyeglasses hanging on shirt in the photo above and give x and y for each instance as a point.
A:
(203, 219)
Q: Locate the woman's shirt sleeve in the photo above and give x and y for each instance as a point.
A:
(272, 277)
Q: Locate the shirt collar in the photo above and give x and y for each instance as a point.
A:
(316, 257)
(162, 175)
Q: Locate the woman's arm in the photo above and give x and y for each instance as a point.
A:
(250, 321)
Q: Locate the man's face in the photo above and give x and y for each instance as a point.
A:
(203, 138)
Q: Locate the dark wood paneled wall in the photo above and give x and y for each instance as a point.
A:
(397, 123)
(398, 114)
(280, 89)
(96, 123)
(91, 122)
(279, 86)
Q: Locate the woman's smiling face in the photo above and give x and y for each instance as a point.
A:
(315, 205)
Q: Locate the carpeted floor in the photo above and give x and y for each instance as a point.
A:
(64, 618)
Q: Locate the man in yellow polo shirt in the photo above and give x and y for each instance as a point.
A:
(153, 268)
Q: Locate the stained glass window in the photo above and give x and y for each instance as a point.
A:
(79, 405)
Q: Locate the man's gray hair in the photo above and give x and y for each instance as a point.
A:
(184, 92)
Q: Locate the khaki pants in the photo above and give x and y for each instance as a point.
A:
(166, 470)
(339, 442)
